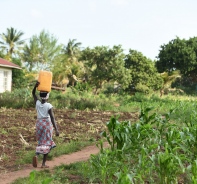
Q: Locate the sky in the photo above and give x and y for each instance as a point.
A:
(142, 25)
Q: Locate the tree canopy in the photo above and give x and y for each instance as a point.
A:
(143, 71)
(41, 51)
(178, 54)
(101, 65)
(106, 65)
(65, 69)
(72, 49)
(11, 41)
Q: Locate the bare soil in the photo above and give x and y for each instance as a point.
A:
(18, 124)
(82, 155)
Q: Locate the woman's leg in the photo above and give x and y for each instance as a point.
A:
(44, 160)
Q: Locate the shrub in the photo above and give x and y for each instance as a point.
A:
(143, 88)
(138, 97)
(18, 98)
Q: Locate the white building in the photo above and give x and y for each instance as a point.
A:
(6, 74)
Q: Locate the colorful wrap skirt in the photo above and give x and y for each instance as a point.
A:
(44, 131)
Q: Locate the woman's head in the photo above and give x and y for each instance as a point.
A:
(44, 95)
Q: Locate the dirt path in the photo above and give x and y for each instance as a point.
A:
(82, 155)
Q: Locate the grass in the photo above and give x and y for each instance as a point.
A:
(35, 177)
(183, 107)
(63, 174)
(61, 149)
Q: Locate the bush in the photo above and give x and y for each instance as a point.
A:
(18, 98)
(72, 99)
(143, 88)
(83, 86)
(138, 97)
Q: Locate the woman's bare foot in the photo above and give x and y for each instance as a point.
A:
(44, 166)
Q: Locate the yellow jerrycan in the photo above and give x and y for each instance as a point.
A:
(45, 79)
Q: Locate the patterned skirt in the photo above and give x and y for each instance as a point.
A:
(44, 131)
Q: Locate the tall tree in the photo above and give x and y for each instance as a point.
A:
(106, 65)
(68, 67)
(72, 49)
(65, 70)
(11, 41)
(41, 52)
(143, 71)
(178, 54)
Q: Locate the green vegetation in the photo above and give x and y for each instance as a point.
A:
(178, 54)
(66, 174)
(145, 77)
(11, 42)
(155, 149)
(65, 148)
(101, 67)
(41, 51)
(160, 147)
(106, 65)
(42, 177)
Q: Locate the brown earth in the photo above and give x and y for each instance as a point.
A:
(17, 132)
(82, 155)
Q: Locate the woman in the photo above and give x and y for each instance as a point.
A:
(44, 126)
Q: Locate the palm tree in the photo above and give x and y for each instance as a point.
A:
(65, 71)
(11, 40)
(168, 79)
(72, 49)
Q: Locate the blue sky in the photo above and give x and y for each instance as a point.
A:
(142, 25)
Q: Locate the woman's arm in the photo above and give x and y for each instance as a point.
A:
(34, 92)
(53, 121)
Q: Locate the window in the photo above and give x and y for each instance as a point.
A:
(5, 80)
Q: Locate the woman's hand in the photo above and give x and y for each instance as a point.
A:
(37, 84)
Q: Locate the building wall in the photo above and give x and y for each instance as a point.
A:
(5, 79)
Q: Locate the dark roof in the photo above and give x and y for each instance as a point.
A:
(8, 64)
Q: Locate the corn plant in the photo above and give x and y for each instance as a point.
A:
(169, 166)
(190, 136)
(124, 176)
(118, 133)
(104, 166)
(33, 178)
(194, 172)
(144, 116)
(153, 150)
